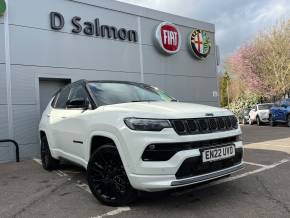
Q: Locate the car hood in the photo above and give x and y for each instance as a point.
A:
(168, 110)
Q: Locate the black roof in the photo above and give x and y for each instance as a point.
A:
(84, 81)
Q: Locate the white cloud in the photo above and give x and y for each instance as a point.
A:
(237, 21)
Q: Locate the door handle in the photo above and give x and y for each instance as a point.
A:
(63, 117)
(48, 115)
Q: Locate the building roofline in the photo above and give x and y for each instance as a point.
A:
(148, 13)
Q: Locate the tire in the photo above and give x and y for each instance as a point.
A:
(259, 123)
(48, 162)
(288, 120)
(244, 122)
(272, 123)
(107, 177)
(250, 122)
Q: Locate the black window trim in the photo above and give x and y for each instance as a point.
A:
(93, 100)
(73, 85)
(82, 83)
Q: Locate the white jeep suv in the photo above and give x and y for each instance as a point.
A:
(131, 136)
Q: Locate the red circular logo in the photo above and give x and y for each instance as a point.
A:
(168, 38)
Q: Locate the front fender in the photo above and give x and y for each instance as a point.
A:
(120, 144)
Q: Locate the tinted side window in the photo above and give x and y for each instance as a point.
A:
(62, 98)
(78, 92)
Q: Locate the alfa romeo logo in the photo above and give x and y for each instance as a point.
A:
(2, 7)
(199, 43)
(168, 38)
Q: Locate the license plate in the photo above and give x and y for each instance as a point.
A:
(219, 153)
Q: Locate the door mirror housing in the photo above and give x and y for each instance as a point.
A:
(77, 103)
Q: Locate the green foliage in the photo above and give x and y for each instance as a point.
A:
(223, 84)
(247, 100)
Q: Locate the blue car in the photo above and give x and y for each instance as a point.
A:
(280, 112)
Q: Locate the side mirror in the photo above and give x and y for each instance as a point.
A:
(77, 103)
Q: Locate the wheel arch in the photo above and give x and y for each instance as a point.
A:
(107, 137)
(42, 133)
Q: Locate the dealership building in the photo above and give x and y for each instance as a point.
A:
(46, 44)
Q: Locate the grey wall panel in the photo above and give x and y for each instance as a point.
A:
(187, 89)
(29, 151)
(68, 9)
(3, 91)
(25, 123)
(155, 80)
(2, 44)
(23, 85)
(191, 89)
(46, 48)
(104, 75)
(182, 63)
(33, 73)
(5, 153)
(3, 122)
(4, 147)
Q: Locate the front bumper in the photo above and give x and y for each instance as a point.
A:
(162, 175)
(161, 183)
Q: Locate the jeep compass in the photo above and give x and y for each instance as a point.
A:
(131, 136)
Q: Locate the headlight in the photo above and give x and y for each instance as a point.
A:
(141, 124)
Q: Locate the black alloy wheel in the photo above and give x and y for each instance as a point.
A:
(107, 177)
(258, 121)
(48, 162)
(272, 123)
(250, 122)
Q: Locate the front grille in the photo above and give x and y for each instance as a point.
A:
(204, 125)
(194, 166)
(165, 151)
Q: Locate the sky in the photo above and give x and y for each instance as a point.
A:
(236, 21)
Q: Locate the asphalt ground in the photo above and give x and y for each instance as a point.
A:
(262, 189)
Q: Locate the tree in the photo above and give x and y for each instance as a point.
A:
(274, 46)
(262, 66)
(224, 82)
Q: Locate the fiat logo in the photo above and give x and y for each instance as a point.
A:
(168, 38)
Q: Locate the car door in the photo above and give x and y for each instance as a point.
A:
(284, 110)
(73, 125)
(253, 113)
(274, 111)
(56, 117)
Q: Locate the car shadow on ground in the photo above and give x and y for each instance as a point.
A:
(257, 134)
(250, 194)
(194, 193)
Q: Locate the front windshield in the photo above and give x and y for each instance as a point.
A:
(265, 106)
(107, 93)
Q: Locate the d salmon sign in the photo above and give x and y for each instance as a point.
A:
(168, 38)
(199, 43)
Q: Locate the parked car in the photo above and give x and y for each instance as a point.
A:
(260, 114)
(131, 136)
(280, 112)
(244, 116)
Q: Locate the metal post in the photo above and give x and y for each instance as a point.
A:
(16, 147)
